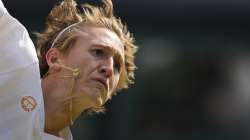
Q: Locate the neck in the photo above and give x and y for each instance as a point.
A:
(56, 112)
(55, 91)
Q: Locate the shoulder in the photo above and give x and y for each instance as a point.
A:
(17, 49)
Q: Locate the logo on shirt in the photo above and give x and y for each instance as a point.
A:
(28, 103)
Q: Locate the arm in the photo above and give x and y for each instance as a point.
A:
(16, 47)
(2, 9)
(19, 78)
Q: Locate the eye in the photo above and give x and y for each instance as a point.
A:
(98, 52)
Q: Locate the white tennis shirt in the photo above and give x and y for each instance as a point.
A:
(21, 99)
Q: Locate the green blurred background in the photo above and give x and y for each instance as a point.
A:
(193, 77)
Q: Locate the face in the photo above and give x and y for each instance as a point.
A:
(99, 55)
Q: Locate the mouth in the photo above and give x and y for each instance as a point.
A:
(102, 81)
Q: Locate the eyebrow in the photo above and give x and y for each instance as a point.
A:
(116, 52)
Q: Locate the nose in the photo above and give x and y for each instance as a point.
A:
(106, 68)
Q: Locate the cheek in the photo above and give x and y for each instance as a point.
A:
(87, 66)
(113, 86)
(114, 83)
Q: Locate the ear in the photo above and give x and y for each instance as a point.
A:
(52, 58)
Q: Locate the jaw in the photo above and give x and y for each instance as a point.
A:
(85, 102)
(91, 95)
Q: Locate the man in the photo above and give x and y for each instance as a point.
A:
(84, 59)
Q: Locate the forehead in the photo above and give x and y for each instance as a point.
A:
(99, 36)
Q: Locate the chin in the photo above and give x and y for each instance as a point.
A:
(99, 102)
(93, 95)
(96, 101)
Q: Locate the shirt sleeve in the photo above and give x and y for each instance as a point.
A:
(16, 47)
(2, 9)
(21, 100)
